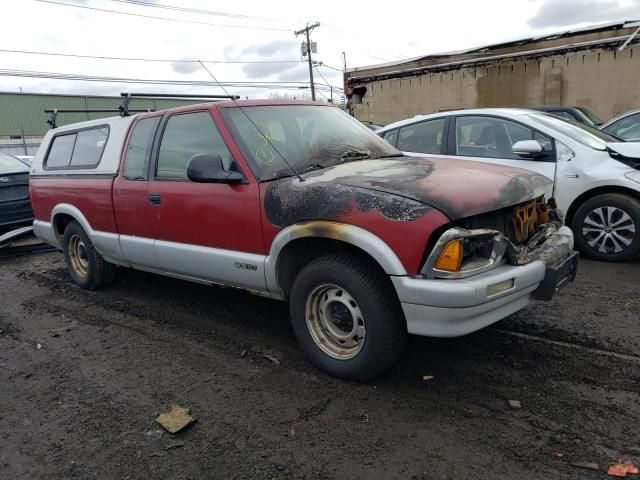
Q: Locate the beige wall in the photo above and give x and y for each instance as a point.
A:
(603, 80)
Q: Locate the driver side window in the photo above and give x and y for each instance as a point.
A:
(490, 137)
(186, 135)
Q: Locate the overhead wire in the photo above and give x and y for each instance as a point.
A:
(95, 78)
(141, 59)
(131, 14)
(194, 10)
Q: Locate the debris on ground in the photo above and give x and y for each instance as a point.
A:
(38, 346)
(361, 416)
(586, 466)
(292, 432)
(174, 445)
(175, 420)
(427, 377)
(243, 353)
(622, 470)
(556, 453)
(515, 404)
(271, 358)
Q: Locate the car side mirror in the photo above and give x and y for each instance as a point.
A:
(208, 168)
(527, 148)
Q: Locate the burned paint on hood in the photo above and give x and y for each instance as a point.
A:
(402, 189)
(288, 201)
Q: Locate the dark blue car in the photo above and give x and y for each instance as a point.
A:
(15, 206)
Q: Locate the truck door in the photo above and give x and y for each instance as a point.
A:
(206, 231)
(133, 212)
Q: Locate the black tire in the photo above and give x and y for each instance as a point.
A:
(614, 203)
(386, 331)
(88, 269)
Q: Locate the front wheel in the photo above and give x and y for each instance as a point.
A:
(606, 227)
(346, 317)
(86, 266)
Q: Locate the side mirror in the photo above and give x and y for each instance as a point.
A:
(207, 168)
(527, 148)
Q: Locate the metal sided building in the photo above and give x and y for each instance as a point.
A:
(584, 67)
(23, 121)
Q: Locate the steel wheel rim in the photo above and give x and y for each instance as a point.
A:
(78, 256)
(608, 230)
(335, 321)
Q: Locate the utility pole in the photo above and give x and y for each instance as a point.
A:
(306, 31)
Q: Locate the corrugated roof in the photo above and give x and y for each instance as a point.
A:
(24, 112)
(521, 41)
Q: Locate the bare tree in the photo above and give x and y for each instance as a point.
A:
(280, 95)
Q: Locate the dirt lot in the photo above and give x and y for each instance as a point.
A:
(84, 374)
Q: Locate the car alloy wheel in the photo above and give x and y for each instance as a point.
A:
(335, 321)
(608, 229)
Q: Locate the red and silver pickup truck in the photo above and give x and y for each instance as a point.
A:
(298, 201)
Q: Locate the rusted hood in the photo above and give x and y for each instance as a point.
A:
(458, 188)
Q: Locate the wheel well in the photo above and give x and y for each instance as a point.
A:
(60, 223)
(298, 253)
(592, 193)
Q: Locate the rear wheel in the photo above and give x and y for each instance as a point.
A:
(346, 317)
(607, 227)
(86, 266)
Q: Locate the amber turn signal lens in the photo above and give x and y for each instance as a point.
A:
(451, 257)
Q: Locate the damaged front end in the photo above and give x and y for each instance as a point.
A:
(526, 233)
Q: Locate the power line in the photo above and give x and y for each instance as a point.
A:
(320, 65)
(102, 57)
(105, 79)
(360, 40)
(196, 22)
(193, 10)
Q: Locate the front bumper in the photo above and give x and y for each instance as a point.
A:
(14, 214)
(455, 307)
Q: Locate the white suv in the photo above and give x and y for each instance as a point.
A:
(596, 175)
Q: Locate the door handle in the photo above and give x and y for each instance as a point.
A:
(154, 199)
(572, 175)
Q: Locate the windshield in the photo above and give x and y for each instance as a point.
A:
(9, 164)
(589, 136)
(309, 137)
(590, 115)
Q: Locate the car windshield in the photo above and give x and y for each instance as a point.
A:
(309, 137)
(9, 164)
(591, 116)
(589, 136)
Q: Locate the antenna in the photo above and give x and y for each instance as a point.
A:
(233, 99)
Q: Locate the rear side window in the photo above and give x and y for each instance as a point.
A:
(184, 136)
(139, 149)
(89, 147)
(61, 150)
(81, 149)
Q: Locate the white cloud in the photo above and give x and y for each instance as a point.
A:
(561, 13)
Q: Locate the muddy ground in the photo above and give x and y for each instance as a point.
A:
(83, 404)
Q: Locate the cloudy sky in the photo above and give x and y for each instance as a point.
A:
(223, 34)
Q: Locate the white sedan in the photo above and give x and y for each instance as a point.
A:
(596, 175)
